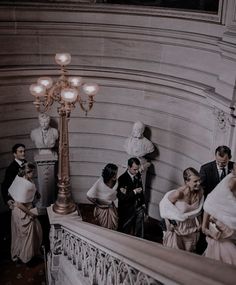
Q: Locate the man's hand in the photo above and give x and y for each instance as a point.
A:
(11, 204)
(123, 190)
(146, 218)
(32, 216)
(138, 190)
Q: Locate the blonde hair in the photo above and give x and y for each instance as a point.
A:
(188, 172)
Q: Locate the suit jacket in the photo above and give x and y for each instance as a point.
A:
(210, 176)
(11, 172)
(129, 202)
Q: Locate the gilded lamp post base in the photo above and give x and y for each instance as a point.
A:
(64, 208)
(64, 204)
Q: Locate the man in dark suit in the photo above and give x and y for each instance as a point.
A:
(131, 202)
(213, 172)
(12, 170)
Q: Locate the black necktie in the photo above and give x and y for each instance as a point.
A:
(223, 174)
(135, 181)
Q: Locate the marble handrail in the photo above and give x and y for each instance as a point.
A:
(107, 257)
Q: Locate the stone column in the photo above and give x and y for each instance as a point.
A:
(46, 169)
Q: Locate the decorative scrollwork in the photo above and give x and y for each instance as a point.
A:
(221, 118)
(96, 265)
(55, 240)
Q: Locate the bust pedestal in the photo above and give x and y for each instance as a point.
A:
(143, 169)
(46, 168)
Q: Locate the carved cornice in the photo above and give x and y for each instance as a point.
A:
(119, 9)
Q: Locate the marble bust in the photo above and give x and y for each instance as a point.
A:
(137, 145)
(44, 137)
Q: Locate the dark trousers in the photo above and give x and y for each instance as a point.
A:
(44, 221)
(135, 224)
(201, 244)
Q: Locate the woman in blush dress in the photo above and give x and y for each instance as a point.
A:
(103, 195)
(219, 220)
(25, 227)
(181, 209)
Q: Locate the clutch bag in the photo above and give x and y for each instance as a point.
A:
(214, 231)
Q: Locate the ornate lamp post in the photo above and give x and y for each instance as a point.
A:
(67, 91)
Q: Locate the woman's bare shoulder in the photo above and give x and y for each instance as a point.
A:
(176, 195)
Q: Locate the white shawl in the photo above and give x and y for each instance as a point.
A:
(101, 191)
(169, 211)
(22, 190)
(221, 203)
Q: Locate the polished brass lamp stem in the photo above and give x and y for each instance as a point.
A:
(64, 203)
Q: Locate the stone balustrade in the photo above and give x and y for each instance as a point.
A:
(82, 253)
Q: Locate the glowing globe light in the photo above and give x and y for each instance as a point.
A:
(45, 81)
(63, 58)
(37, 90)
(69, 94)
(90, 88)
(75, 81)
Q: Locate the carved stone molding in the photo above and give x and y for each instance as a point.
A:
(93, 264)
(222, 119)
(224, 128)
(46, 181)
(84, 254)
(98, 266)
(126, 9)
(55, 240)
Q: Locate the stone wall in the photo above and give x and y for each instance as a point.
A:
(174, 74)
